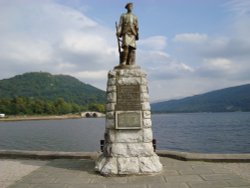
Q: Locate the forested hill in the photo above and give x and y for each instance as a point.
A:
(224, 100)
(45, 86)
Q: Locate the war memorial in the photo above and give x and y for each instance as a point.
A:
(128, 158)
(128, 147)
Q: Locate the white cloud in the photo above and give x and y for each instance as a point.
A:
(215, 68)
(26, 50)
(86, 43)
(47, 36)
(88, 75)
(239, 7)
(222, 64)
(213, 61)
(190, 37)
(161, 66)
(154, 43)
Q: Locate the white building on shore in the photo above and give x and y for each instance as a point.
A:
(2, 115)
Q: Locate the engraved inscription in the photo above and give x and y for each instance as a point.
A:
(128, 97)
(128, 120)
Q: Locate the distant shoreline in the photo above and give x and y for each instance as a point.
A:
(41, 117)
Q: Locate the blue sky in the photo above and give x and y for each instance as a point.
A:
(186, 47)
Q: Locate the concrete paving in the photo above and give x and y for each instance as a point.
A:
(74, 173)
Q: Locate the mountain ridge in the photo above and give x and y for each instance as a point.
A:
(46, 86)
(230, 99)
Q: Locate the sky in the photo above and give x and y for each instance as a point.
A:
(186, 47)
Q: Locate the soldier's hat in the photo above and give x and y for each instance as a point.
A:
(126, 6)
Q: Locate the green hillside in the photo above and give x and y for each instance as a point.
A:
(42, 93)
(224, 100)
(50, 87)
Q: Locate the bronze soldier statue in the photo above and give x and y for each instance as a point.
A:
(128, 31)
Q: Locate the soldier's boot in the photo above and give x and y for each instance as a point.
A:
(131, 57)
(125, 56)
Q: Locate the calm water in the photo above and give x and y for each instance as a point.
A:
(197, 132)
(203, 132)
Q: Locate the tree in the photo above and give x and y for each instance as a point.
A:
(31, 106)
(5, 105)
(96, 107)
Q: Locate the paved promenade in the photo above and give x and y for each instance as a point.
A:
(79, 173)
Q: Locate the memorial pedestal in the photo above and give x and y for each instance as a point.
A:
(128, 147)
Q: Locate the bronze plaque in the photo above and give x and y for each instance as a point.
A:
(128, 120)
(128, 97)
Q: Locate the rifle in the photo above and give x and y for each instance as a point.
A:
(118, 40)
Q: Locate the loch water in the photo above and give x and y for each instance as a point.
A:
(191, 132)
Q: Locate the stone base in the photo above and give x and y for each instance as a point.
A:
(128, 148)
(127, 67)
(110, 166)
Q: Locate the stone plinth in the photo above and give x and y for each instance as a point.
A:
(128, 145)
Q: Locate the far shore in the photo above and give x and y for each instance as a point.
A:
(40, 117)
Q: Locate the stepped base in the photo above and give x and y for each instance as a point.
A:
(110, 166)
